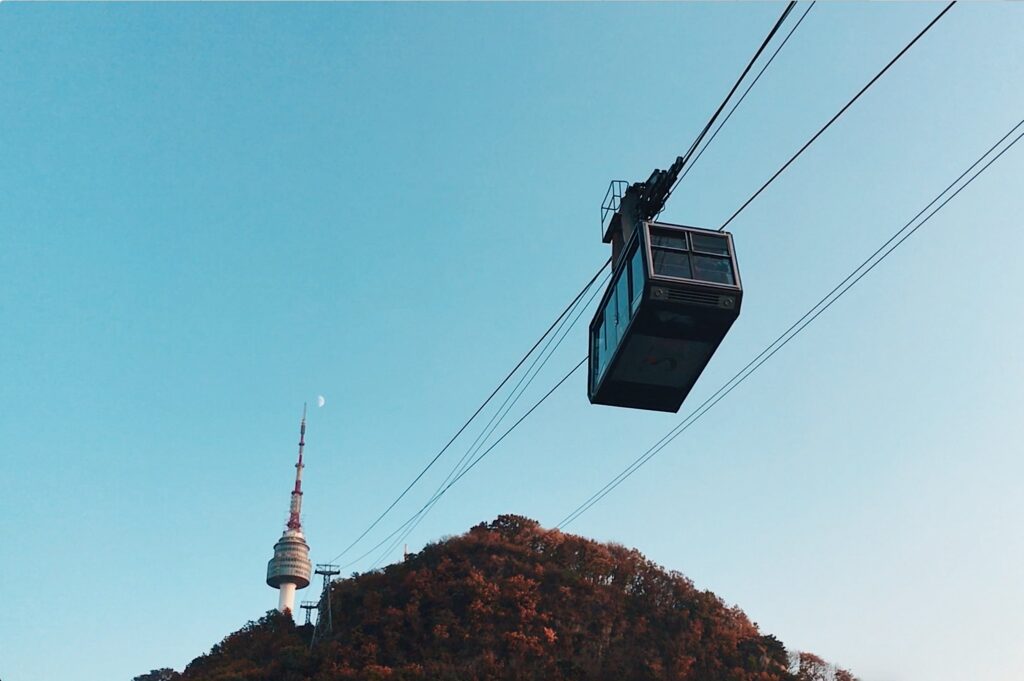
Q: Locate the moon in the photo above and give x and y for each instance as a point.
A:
(320, 400)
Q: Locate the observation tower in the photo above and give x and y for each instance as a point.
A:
(290, 568)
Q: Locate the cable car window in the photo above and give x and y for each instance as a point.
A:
(636, 273)
(622, 302)
(672, 264)
(599, 351)
(611, 339)
(710, 268)
(665, 239)
(709, 243)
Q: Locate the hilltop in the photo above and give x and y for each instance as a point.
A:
(511, 600)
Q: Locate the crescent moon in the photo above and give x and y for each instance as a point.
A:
(320, 400)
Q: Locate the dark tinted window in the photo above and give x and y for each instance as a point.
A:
(622, 302)
(672, 264)
(710, 268)
(668, 239)
(636, 273)
(610, 337)
(709, 243)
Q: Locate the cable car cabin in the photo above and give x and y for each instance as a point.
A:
(673, 295)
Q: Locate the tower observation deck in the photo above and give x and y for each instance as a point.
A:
(290, 568)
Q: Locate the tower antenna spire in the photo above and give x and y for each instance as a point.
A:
(294, 511)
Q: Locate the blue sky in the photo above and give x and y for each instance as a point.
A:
(213, 213)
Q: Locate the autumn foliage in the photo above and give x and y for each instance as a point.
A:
(511, 600)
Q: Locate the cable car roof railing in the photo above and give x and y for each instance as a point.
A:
(611, 202)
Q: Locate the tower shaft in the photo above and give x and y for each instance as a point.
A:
(286, 597)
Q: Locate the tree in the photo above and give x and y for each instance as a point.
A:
(163, 674)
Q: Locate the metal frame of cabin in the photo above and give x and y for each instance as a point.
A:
(666, 326)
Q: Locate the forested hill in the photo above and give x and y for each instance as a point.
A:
(511, 600)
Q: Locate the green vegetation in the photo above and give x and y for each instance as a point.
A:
(511, 600)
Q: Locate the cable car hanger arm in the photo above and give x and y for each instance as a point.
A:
(655, 192)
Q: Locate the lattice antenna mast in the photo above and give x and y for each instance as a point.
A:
(324, 619)
(295, 510)
(309, 607)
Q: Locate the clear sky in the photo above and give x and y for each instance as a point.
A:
(213, 213)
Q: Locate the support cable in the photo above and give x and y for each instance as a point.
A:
(696, 142)
(470, 467)
(459, 470)
(525, 381)
(688, 168)
(831, 297)
(518, 392)
(475, 413)
(837, 115)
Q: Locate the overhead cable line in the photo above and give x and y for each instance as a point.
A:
(480, 458)
(525, 381)
(827, 301)
(465, 425)
(496, 419)
(460, 468)
(517, 392)
(688, 168)
(474, 463)
(685, 158)
(837, 115)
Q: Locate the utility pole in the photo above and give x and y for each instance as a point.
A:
(309, 606)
